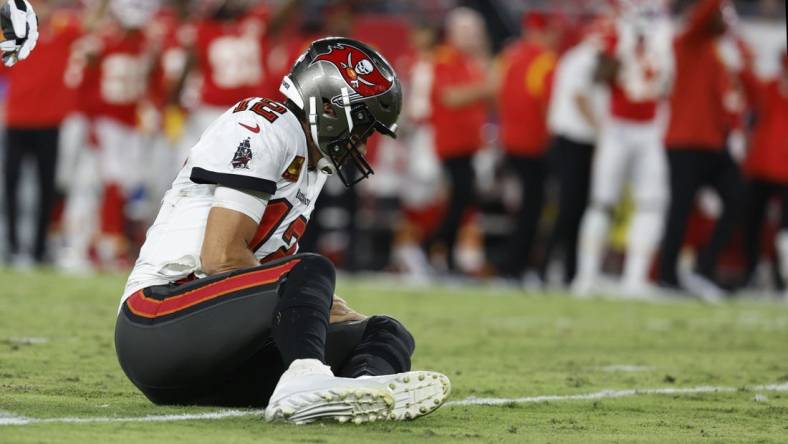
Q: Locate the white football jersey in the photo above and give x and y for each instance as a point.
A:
(257, 145)
(646, 56)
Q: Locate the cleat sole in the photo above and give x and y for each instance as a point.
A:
(353, 405)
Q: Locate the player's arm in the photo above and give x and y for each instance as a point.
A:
(244, 183)
(457, 95)
(754, 88)
(460, 95)
(584, 105)
(232, 223)
(186, 36)
(177, 87)
(704, 15)
(606, 69)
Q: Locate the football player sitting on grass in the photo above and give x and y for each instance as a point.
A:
(219, 310)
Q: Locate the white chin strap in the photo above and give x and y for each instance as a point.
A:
(323, 164)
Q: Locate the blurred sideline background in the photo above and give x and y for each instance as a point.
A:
(100, 118)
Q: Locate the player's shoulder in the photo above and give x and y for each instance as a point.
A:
(257, 138)
(268, 125)
(270, 116)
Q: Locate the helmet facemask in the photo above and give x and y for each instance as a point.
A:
(345, 150)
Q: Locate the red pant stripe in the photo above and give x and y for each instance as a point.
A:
(147, 307)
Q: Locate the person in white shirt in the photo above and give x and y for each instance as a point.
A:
(201, 320)
(573, 116)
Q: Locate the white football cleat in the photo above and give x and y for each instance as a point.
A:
(416, 393)
(703, 288)
(308, 391)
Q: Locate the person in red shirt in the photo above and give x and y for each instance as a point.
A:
(224, 50)
(526, 71)
(766, 165)
(696, 141)
(35, 106)
(111, 69)
(227, 50)
(460, 93)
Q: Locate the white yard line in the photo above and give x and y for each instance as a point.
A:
(606, 394)
(221, 414)
(626, 368)
(11, 419)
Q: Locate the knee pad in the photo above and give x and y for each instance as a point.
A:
(390, 340)
(309, 283)
(385, 325)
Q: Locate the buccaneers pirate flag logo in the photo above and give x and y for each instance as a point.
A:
(357, 70)
(242, 156)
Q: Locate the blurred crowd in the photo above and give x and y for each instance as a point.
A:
(618, 146)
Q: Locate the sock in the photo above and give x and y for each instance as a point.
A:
(644, 234)
(593, 233)
(301, 316)
(79, 216)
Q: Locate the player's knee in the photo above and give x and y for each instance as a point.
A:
(393, 333)
(316, 265)
(310, 282)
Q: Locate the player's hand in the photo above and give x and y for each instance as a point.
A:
(20, 30)
(341, 312)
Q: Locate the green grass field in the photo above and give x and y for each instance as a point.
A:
(57, 361)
